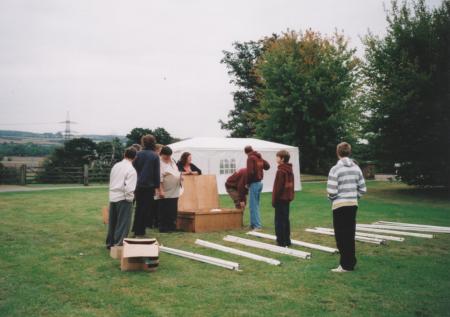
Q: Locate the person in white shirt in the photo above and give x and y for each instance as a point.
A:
(122, 184)
(169, 192)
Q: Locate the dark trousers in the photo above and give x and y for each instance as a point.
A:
(234, 194)
(151, 220)
(344, 222)
(119, 222)
(167, 214)
(282, 224)
(144, 201)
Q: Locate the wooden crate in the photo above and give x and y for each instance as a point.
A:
(200, 193)
(207, 221)
(194, 207)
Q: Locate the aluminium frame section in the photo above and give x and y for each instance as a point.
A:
(234, 251)
(268, 247)
(295, 242)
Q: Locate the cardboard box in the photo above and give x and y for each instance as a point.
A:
(116, 252)
(140, 255)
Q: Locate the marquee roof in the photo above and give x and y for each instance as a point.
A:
(203, 143)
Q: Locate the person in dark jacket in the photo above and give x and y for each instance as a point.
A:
(236, 188)
(282, 195)
(255, 174)
(147, 165)
(186, 167)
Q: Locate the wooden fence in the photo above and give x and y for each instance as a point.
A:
(24, 175)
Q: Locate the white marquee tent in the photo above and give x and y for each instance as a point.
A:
(222, 156)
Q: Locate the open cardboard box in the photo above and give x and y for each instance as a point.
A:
(139, 255)
(116, 252)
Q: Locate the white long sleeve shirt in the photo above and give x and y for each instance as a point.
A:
(122, 181)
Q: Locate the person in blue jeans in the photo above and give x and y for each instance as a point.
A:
(255, 174)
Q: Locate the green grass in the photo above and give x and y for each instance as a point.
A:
(53, 263)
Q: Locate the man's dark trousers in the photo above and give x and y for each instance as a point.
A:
(144, 203)
(282, 224)
(119, 222)
(344, 222)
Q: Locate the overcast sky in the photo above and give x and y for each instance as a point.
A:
(116, 65)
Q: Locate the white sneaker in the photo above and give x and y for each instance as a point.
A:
(339, 269)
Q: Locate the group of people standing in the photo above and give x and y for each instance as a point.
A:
(248, 180)
(344, 187)
(149, 177)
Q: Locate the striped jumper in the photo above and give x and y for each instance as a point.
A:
(345, 184)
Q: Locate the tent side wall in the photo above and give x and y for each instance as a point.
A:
(222, 162)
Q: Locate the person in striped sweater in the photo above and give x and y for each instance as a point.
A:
(345, 186)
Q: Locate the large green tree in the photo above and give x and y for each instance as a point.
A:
(109, 152)
(74, 153)
(161, 135)
(308, 95)
(240, 63)
(408, 100)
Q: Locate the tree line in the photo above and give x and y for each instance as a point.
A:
(311, 90)
(81, 151)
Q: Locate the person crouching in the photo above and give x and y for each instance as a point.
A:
(282, 195)
(122, 184)
(235, 186)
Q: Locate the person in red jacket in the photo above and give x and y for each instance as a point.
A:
(282, 195)
(255, 174)
(236, 188)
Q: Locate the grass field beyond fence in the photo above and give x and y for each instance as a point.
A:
(53, 263)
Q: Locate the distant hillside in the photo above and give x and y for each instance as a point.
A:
(21, 137)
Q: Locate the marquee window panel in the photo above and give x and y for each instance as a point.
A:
(227, 166)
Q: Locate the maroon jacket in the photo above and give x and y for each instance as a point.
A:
(283, 187)
(238, 181)
(255, 166)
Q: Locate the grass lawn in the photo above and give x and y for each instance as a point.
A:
(53, 263)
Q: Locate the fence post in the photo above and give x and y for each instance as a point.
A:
(23, 175)
(86, 175)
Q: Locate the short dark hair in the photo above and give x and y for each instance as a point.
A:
(344, 149)
(130, 153)
(166, 151)
(137, 147)
(148, 141)
(284, 155)
(248, 149)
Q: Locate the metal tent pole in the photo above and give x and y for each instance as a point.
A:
(357, 238)
(400, 228)
(395, 232)
(407, 225)
(370, 235)
(269, 247)
(202, 258)
(295, 242)
(249, 255)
